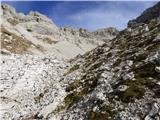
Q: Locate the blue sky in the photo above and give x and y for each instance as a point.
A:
(90, 15)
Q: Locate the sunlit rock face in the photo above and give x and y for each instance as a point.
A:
(118, 80)
(35, 33)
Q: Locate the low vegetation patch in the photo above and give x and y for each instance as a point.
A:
(96, 65)
(105, 113)
(49, 41)
(87, 86)
(146, 70)
(12, 21)
(131, 93)
(73, 85)
(38, 98)
(75, 67)
(135, 90)
(14, 43)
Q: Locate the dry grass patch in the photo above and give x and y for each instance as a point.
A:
(12, 21)
(49, 41)
(15, 44)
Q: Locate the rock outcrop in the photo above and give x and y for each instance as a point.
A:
(106, 32)
(41, 36)
(147, 15)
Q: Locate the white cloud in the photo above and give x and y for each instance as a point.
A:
(102, 17)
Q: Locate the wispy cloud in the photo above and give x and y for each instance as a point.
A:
(115, 14)
(89, 15)
(100, 18)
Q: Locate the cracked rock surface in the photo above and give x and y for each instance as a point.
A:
(29, 84)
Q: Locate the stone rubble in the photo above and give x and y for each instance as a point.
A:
(29, 84)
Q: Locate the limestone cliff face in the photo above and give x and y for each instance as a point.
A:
(35, 33)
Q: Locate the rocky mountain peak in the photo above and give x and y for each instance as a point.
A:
(41, 34)
(147, 15)
(103, 32)
(39, 17)
(8, 11)
(7, 7)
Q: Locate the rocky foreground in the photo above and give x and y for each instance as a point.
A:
(119, 80)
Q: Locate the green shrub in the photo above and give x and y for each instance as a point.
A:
(29, 30)
(106, 113)
(75, 67)
(131, 93)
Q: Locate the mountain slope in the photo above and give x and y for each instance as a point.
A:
(36, 34)
(117, 81)
(147, 15)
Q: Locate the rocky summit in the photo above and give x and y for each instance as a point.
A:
(52, 73)
(36, 34)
